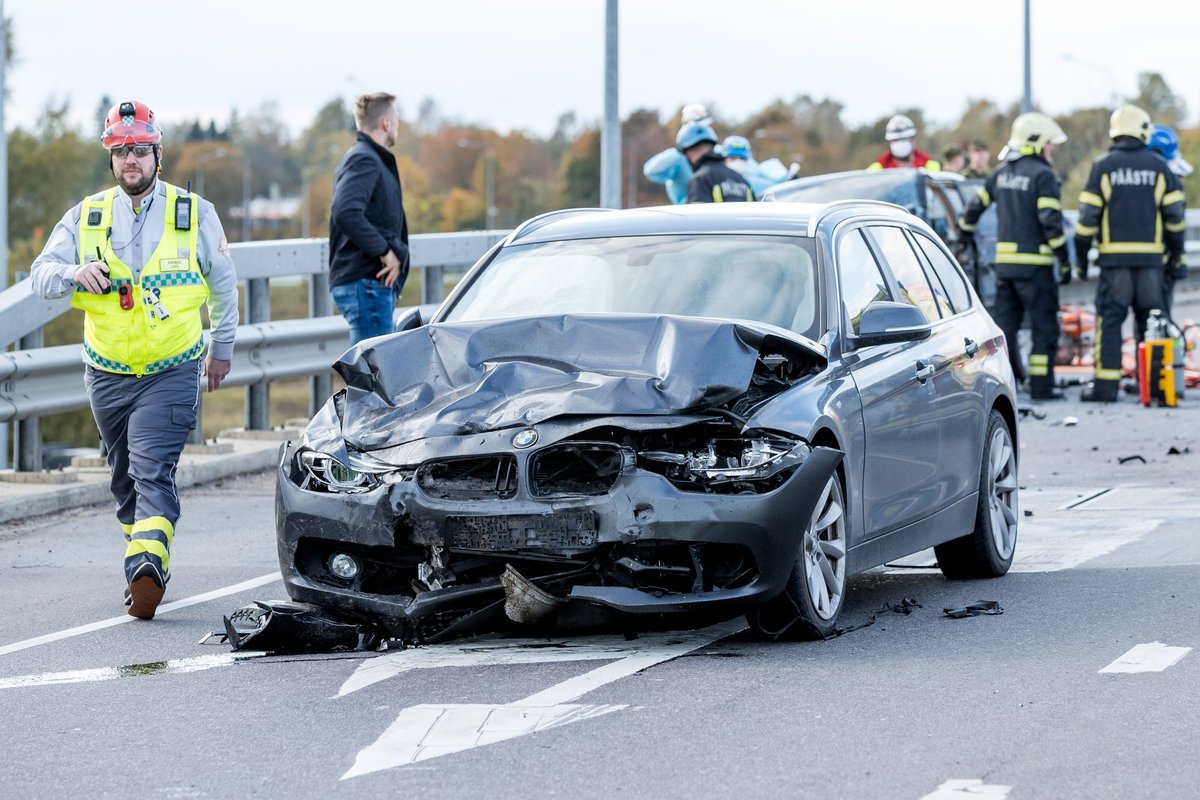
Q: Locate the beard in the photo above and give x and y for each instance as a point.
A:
(135, 185)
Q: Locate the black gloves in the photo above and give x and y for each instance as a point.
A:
(1176, 267)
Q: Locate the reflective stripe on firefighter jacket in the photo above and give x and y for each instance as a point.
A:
(1028, 210)
(1134, 204)
(163, 328)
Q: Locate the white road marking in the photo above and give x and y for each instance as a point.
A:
(494, 651)
(968, 789)
(428, 731)
(1050, 544)
(1152, 657)
(121, 620)
(175, 666)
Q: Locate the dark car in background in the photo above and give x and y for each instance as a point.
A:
(938, 198)
(640, 416)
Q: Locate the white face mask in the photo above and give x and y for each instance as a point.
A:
(901, 148)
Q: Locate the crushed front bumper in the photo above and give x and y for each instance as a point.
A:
(394, 525)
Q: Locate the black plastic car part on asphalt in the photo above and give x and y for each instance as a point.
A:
(645, 461)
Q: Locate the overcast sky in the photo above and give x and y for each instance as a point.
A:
(521, 63)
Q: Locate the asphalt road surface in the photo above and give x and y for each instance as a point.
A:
(1085, 687)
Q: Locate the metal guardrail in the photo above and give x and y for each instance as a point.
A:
(35, 383)
(39, 381)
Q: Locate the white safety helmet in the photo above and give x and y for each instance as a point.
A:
(1035, 130)
(694, 112)
(1129, 121)
(899, 127)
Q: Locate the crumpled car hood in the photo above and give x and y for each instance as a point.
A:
(461, 378)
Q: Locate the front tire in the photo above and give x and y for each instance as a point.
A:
(987, 552)
(809, 606)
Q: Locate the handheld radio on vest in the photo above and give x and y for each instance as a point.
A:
(183, 210)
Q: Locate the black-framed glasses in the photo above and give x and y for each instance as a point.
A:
(139, 150)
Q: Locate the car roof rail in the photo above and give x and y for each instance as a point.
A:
(533, 223)
(835, 205)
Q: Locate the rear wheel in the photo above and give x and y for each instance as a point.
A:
(987, 552)
(812, 600)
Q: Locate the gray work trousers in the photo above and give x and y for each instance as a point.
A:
(144, 423)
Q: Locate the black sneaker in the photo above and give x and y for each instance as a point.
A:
(129, 595)
(1046, 394)
(146, 591)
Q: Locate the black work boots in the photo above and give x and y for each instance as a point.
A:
(1100, 392)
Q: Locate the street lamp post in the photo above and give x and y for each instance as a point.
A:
(200, 162)
(489, 178)
(1114, 97)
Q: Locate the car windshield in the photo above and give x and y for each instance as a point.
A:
(770, 279)
(892, 186)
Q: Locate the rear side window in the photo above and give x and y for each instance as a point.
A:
(915, 288)
(861, 281)
(948, 271)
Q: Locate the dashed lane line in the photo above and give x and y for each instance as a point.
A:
(253, 583)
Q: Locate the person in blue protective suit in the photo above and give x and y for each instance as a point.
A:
(671, 167)
(761, 175)
(140, 260)
(1165, 142)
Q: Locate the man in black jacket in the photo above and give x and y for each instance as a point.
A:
(1134, 205)
(1029, 241)
(368, 233)
(712, 181)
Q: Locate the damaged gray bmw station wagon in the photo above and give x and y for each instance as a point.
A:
(648, 415)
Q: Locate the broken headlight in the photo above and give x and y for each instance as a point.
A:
(721, 460)
(321, 472)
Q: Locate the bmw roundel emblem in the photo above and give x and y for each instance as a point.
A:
(526, 438)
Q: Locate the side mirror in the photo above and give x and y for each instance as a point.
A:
(406, 319)
(885, 322)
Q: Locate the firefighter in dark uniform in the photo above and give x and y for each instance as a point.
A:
(712, 180)
(1135, 204)
(1030, 242)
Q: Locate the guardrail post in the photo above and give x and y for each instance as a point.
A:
(320, 304)
(28, 433)
(433, 284)
(258, 309)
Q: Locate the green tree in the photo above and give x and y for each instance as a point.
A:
(1156, 99)
(579, 175)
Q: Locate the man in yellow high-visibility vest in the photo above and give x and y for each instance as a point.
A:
(140, 259)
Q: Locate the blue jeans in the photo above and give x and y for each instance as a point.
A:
(367, 305)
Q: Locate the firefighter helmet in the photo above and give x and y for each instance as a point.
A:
(694, 133)
(1036, 130)
(1129, 121)
(899, 127)
(736, 147)
(130, 122)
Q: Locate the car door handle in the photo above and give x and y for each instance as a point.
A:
(971, 347)
(924, 371)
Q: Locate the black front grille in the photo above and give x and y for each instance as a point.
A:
(469, 478)
(574, 468)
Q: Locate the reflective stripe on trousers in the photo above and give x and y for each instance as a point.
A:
(144, 423)
(1121, 288)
